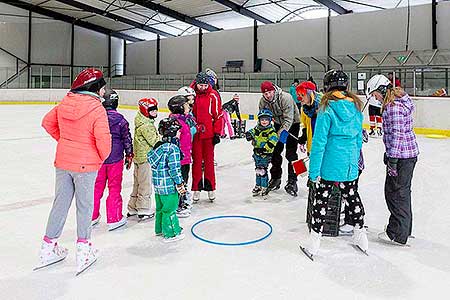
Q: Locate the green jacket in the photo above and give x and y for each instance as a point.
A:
(264, 138)
(145, 137)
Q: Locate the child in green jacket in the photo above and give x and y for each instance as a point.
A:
(264, 138)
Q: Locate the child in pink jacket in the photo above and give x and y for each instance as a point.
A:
(179, 108)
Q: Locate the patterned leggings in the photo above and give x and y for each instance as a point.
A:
(349, 194)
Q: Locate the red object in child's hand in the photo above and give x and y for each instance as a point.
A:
(128, 161)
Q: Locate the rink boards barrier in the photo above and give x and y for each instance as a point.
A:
(432, 115)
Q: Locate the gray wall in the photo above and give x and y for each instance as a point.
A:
(375, 31)
(141, 58)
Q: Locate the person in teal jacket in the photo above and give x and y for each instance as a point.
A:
(293, 92)
(335, 151)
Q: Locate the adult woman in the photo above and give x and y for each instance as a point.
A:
(400, 156)
(334, 157)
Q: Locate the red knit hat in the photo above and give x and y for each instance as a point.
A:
(267, 86)
(304, 86)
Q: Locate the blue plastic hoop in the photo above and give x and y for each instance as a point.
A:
(231, 244)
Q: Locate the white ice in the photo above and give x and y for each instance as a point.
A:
(134, 264)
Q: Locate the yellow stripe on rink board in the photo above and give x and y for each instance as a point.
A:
(428, 132)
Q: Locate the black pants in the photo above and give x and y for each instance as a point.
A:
(397, 191)
(185, 174)
(349, 194)
(347, 216)
(291, 153)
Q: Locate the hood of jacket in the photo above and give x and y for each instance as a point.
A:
(406, 102)
(75, 106)
(343, 107)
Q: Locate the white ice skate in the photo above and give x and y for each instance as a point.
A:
(212, 196)
(312, 245)
(118, 224)
(178, 237)
(95, 221)
(183, 212)
(360, 239)
(86, 256)
(50, 253)
(196, 196)
(346, 230)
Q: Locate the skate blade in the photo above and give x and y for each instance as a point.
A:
(360, 249)
(146, 218)
(306, 252)
(85, 268)
(118, 227)
(49, 264)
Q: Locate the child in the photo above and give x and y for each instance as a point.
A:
(264, 138)
(80, 126)
(189, 94)
(334, 158)
(375, 119)
(179, 109)
(310, 100)
(145, 138)
(112, 168)
(228, 108)
(164, 159)
(400, 157)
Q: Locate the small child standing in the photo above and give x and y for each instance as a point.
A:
(179, 109)
(228, 108)
(264, 138)
(145, 138)
(112, 168)
(164, 159)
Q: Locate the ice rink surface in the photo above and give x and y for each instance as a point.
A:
(134, 264)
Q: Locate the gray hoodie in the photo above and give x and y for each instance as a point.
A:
(283, 108)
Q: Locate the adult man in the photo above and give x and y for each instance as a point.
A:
(286, 117)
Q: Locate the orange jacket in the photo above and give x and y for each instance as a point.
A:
(80, 126)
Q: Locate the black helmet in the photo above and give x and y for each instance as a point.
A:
(176, 103)
(111, 99)
(202, 78)
(168, 127)
(335, 80)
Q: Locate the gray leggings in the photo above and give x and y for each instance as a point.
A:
(67, 185)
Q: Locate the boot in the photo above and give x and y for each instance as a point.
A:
(196, 196)
(274, 184)
(256, 190)
(264, 191)
(86, 256)
(212, 196)
(291, 188)
(118, 224)
(360, 238)
(313, 243)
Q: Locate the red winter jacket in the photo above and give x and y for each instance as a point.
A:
(207, 111)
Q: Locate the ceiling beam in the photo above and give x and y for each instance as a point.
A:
(244, 11)
(175, 14)
(114, 17)
(334, 6)
(68, 19)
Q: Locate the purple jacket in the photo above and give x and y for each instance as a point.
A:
(399, 138)
(185, 139)
(120, 137)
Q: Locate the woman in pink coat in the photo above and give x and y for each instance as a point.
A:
(80, 126)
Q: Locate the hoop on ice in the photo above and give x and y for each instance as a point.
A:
(232, 244)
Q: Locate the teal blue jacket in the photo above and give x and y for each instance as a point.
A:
(293, 93)
(337, 142)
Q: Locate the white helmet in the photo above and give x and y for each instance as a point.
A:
(186, 91)
(378, 83)
(211, 73)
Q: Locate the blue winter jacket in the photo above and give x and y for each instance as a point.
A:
(337, 142)
(293, 93)
(164, 160)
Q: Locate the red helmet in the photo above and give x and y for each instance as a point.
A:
(89, 80)
(147, 104)
(303, 87)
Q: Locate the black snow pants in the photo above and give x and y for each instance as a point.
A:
(291, 153)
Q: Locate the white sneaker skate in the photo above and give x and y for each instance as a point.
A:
(95, 221)
(196, 196)
(86, 256)
(312, 245)
(360, 239)
(50, 253)
(346, 230)
(118, 224)
(178, 237)
(212, 196)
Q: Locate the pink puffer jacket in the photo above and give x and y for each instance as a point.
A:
(80, 126)
(185, 139)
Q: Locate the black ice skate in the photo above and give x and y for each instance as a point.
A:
(291, 188)
(256, 191)
(274, 184)
(145, 217)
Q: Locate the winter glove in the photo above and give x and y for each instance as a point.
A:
(181, 189)
(216, 139)
(248, 136)
(391, 164)
(128, 160)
